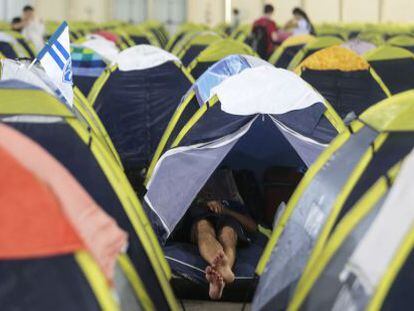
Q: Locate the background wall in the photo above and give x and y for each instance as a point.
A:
(174, 12)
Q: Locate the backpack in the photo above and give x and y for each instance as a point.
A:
(259, 41)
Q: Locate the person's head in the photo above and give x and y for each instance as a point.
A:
(299, 13)
(268, 9)
(236, 12)
(15, 24)
(28, 12)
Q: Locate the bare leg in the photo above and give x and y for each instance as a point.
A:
(228, 239)
(208, 245)
(224, 262)
(210, 249)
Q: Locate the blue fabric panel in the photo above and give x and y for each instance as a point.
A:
(217, 73)
(136, 106)
(51, 283)
(185, 259)
(303, 121)
(262, 147)
(214, 124)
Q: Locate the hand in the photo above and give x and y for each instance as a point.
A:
(215, 207)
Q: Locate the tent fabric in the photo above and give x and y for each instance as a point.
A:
(222, 70)
(96, 229)
(343, 266)
(335, 58)
(87, 66)
(284, 54)
(105, 48)
(344, 79)
(135, 107)
(51, 283)
(241, 94)
(358, 46)
(394, 66)
(312, 47)
(99, 175)
(380, 243)
(10, 47)
(36, 225)
(214, 135)
(344, 172)
(143, 57)
(295, 244)
(215, 52)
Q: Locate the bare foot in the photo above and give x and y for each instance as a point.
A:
(221, 265)
(216, 283)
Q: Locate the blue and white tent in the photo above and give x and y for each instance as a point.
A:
(241, 114)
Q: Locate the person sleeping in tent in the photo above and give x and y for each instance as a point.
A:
(217, 222)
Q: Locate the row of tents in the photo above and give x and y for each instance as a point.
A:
(135, 151)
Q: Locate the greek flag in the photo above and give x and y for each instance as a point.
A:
(57, 62)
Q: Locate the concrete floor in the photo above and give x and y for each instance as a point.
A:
(200, 305)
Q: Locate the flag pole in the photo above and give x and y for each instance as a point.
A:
(32, 64)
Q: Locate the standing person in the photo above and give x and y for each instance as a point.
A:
(265, 33)
(33, 27)
(235, 20)
(300, 24)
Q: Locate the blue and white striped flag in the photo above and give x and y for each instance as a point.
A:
(56, 60)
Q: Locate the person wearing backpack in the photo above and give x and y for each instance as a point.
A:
(265, 33)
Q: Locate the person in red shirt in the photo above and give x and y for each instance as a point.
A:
(265, 33)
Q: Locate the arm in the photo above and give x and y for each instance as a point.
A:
(291, 24)
(246, 221)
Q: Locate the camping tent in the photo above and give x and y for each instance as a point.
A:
(312, 47)
(359, 46)
(237, 116)
(403, 41)
(45, 120)
(284, 54)
(344, 78)
(354, 161)
(214, 53)
(16, 70)
(57, 237)
(193, 44)
(87, 66)
(10, 47)
(369, 257)
(135, 100)
(395, 67)
(181, 33)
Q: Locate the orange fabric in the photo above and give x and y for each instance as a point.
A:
(32, 224)
(98, 231)
(335, 58)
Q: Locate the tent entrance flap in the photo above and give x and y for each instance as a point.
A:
(181, 173)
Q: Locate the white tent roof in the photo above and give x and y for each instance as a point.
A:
(143, 56)
(266, 90)
(105, 48)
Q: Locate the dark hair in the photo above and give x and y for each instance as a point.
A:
(236, 11)
(302, 13)
(16, 20)
(28, 8)
(268, 8)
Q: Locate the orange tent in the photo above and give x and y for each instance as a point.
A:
(44, 211)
